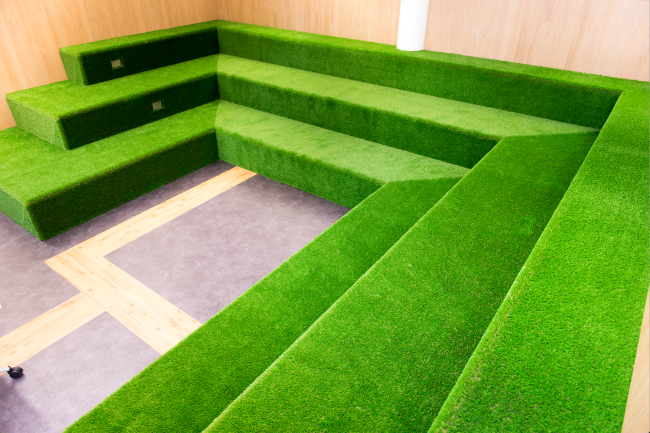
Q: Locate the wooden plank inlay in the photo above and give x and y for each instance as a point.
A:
(147, 314)
(21, 344)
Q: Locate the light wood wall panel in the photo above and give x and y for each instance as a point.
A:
(368, 20)
(32, 31)
(606, 37)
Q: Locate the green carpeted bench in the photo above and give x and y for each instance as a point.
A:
(475, 285)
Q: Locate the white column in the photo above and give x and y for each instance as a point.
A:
(412, 24)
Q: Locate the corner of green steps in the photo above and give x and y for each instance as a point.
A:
(332, 165)
(48, 190)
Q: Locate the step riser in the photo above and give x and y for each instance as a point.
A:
(328, 182)
(384, 127)
(99, 195)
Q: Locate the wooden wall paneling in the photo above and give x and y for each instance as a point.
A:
(368, 20)
(32, 31)
(606, 37)
(637, 412)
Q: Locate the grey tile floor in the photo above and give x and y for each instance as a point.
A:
(200, 262)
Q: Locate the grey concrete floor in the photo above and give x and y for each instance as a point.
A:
(204, 259)
(200, 262)
(69, 378)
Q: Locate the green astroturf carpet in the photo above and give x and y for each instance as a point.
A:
(335, 166)
(451, 131)
(560, 351)
(388, 352)
(489, 277)
(582, 99)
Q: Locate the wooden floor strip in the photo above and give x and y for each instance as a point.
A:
(123, 233)
(23, 343)
(637, 413)
(150, 316)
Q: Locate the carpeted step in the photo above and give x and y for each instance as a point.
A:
(385, 356)
(69, 115)
(572, 97)
(451, 131)
(108, 59)
(560, 352)
(48, 190)
(329, 164)
(187, 387)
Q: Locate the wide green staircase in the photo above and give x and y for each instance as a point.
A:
(491, 273)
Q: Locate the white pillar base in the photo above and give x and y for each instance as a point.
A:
(412, 24)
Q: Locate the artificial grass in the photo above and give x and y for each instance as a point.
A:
(387, 353)
(451, 131)
(69, 115)
(187, 387)
(49, 190)
(581, 99)
(463, 255)
(91, 63)
(331, 165)
(560, 352)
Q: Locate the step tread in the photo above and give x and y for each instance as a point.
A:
(139, 38)
(225, 355)
(560, 351)
(476, 119)
(361, 157)
(90, 63)
(69, 115)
